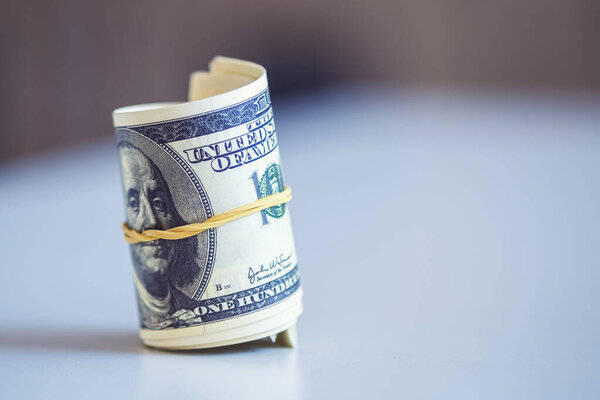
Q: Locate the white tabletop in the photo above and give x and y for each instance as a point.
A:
(449, 248)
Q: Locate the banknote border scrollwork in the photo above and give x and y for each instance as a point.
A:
(243, 309)
(207, 123)
(212, 233)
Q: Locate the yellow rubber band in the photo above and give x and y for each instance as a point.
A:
(184, 231)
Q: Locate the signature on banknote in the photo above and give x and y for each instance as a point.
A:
(270, 270)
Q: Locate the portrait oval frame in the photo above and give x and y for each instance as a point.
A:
(189, 197)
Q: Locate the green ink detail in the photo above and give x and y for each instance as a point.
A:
(270, 183)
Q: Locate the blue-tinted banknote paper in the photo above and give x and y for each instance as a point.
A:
(183, 163)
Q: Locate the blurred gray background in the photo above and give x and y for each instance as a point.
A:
(444, 157)
(66, 64)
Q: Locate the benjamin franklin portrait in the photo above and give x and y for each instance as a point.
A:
(163, 269)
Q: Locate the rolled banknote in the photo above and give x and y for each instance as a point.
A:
(183, 163)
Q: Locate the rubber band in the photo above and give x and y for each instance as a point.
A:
(184, 231)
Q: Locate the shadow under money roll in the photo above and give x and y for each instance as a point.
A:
(188, 163)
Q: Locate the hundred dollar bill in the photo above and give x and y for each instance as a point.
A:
(183, 163)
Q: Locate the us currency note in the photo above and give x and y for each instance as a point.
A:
(183, 163)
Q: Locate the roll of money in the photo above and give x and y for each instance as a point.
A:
(183, 163)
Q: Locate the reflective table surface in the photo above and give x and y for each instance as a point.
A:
(449, 247)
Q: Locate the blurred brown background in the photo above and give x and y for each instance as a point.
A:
(66, 64)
